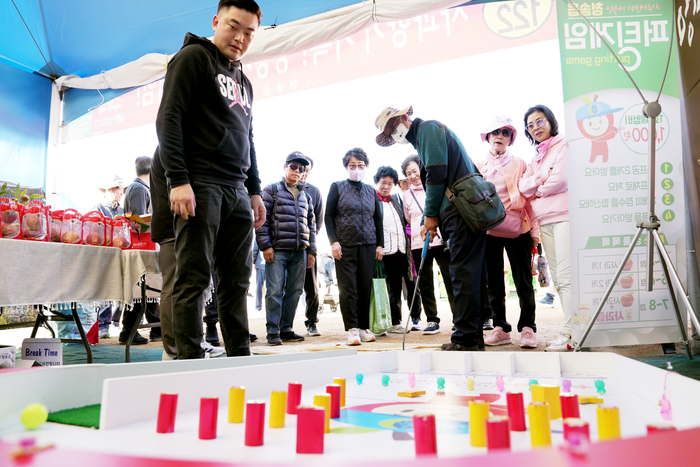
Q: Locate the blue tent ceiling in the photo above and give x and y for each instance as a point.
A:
(85, 37)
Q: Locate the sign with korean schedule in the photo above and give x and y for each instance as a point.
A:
(608, 166)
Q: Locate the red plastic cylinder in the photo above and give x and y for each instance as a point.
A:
(575, 430)
(311, 427)
(497, 433)
(254, 423)
(293, 397)
(208, 411)
(425, 435)
(516, 411)
(659, 427)
(166, 413)
(569, 406)
(334, 390)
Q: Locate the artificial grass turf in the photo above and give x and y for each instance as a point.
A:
(88, 416)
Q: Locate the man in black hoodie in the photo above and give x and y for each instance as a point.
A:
(205, 137)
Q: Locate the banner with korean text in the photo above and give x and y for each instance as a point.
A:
(608, 166)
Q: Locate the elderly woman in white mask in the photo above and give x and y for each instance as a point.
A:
(517, 235)
(356, 233)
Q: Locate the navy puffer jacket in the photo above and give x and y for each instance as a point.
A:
(291, 224)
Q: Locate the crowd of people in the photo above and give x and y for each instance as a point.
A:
(209, 207)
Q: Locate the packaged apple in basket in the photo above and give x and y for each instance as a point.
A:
(35, 222)
(72, 226)
(121, 233)
(108, 231)
(94, 228)
(10, 212)
(55, 222)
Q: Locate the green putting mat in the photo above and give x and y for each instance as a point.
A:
(88, 416)
(680, 363)
(75, 354)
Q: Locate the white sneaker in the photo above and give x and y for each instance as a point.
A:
(354, 337)
(366, 335)
(560, 344)
(396, 329)
(211, 351)
(415, 325)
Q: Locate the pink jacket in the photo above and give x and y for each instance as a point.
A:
(545, 183)
(414, 216)
(508, 191)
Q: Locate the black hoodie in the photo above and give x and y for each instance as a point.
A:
(204, 124)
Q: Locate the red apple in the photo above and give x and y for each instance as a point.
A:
(93, 239)
(627, 300)
(628, 265)
(70, 237)
(626, 282)
(10, 230)
(33, 221)
(120, 242)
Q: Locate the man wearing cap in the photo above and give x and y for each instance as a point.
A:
(444, 160)
(287, 240)
(113, 189)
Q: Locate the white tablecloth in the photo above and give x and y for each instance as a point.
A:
(46, 273)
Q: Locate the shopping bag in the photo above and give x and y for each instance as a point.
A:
(379, 309)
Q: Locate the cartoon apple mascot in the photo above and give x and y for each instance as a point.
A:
(627, 282)
(627, 300)
(596, 122)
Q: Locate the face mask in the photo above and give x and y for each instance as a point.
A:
(356, 175)
(400, 134)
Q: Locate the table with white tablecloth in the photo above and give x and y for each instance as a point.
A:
(49, 273)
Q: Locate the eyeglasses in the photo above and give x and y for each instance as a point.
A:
(356, 166)
(506, 132)
(539, 123)
(293, 166)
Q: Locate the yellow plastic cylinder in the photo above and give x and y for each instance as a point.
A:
(341, 381)
(550, 395)
(540, 432)
(278, 407)
(236, 404)
(608, 423)
(324, 400)
(478, 413)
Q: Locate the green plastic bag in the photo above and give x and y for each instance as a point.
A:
(379, 309)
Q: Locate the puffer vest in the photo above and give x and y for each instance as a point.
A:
(354, 221)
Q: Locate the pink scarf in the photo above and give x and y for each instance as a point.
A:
(496, 164)
(542, 149)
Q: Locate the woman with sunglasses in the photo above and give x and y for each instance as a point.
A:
(356, 233)
(517, 234)
(546, 186)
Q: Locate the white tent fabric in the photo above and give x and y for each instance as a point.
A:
(272, 42)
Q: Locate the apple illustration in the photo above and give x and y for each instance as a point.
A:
(93, 239)
(627, 300)
(626, 282)
(628, 265)
(70, 237)
(120, 242)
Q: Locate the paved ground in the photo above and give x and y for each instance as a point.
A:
(549, 321)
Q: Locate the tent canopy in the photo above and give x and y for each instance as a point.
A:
(85, 37)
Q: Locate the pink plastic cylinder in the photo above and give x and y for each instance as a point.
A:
(311, 426)
(293, 397)
(166, 413)
(254, 423)
(334, 390)
(516, 411)
(425, 434)
(208, 411)
(569, 406)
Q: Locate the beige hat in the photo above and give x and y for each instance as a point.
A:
(380, 122)
(111, 182)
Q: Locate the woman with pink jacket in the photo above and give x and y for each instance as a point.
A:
(545, 185)
(517, 234)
